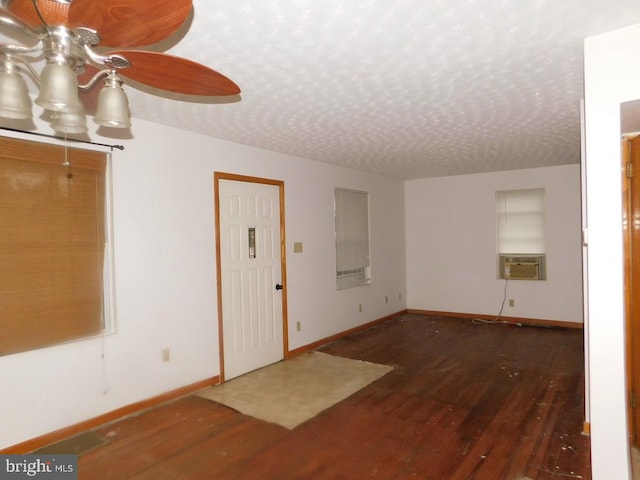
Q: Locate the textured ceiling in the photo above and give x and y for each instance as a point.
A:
(408, 89)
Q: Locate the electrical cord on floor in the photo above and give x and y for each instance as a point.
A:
(497, 321)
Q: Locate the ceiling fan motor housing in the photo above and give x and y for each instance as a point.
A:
(61, 45)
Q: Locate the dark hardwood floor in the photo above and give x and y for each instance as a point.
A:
(465, 401)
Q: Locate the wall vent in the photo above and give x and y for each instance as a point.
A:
(522, 266)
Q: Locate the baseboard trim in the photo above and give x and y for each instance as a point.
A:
(515, 320)
(66, 432)
(338, 336)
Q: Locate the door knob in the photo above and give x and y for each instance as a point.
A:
(278, 286)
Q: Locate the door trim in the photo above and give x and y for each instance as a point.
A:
(217, 176)
(631, 372)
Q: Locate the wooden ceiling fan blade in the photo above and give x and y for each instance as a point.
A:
(53, 12)
(175, 74)
(130, 23)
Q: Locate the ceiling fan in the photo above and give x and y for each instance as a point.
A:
(92, 40)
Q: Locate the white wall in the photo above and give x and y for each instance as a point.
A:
(451, 245)
(612, 76)
(165, 277)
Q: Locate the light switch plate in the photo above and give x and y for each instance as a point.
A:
(297, 247)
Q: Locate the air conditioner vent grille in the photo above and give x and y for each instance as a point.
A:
(522, 267)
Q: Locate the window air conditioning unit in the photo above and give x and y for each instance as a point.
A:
(521, 267)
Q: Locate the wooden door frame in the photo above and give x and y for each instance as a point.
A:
(217, 176)
(629, 306)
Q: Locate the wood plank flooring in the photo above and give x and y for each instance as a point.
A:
(465, 401)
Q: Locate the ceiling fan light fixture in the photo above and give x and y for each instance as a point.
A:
(113, 104)
(15, 102)
(74, 123)
(59, 89)
(62, 33)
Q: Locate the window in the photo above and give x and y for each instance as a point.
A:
(352, 238)
(52, 244)
(521, 234)
(521, 221)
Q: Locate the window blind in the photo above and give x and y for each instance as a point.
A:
(521, 221)
(52, 244)
(352, 237)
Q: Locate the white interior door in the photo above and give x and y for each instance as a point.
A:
(251, 275)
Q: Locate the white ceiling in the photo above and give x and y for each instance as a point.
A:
(408, 89)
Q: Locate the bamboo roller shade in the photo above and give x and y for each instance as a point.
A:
(52, 244)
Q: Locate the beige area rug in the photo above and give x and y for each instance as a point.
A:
(291, 392)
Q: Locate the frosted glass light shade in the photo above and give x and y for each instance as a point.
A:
(14, 97)
(69, 122)
(113, 108)
(59, 89)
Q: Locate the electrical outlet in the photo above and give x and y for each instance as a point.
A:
(386, 299)
(166, 355)
(360, 307)
(400, 296)
(298, 326)
(512, 302)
